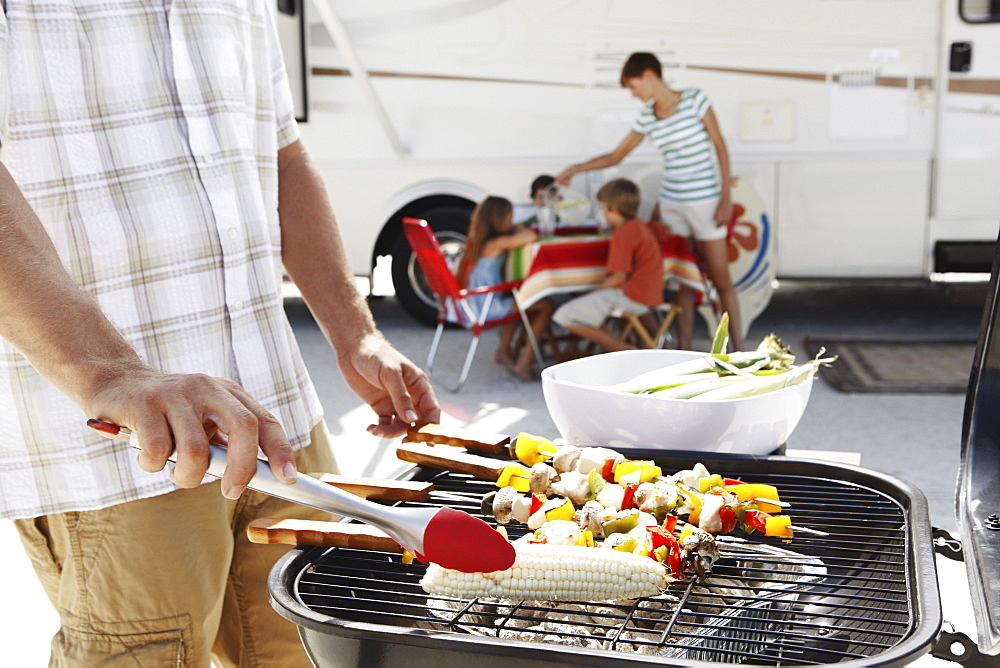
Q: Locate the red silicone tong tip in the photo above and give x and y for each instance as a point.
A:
(101, 425)
(457, 540)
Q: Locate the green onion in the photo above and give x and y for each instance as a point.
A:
(692, 390)
(721, 339)
(666, 376)
(762, 384)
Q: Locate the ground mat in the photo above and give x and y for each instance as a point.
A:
(869, 365)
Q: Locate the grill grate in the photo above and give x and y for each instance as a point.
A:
(817, 600)
(848, 600)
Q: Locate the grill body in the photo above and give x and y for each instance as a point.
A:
(864, 595)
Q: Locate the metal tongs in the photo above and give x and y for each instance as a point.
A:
(445, 536)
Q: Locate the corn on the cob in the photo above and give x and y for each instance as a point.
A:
(556, 573)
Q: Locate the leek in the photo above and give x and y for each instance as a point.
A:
(694, 390)
(762, 384)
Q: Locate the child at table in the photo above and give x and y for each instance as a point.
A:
(491, 234)
(527, 213)
(633, 280)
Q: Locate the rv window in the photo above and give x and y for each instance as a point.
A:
(979, 11)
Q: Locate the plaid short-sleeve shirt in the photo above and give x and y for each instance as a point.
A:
(145, 133)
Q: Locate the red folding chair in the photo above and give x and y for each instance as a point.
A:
(453, 303)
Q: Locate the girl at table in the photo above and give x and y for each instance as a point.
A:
(491, 234)
(694, 199)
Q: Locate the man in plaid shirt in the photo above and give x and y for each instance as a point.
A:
(152, 189)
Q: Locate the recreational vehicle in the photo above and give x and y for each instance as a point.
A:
(867, 131)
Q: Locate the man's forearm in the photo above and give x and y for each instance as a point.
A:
(44, 314)
(313, 251)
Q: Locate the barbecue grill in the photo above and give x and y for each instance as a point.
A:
(876, 601)
(864, 594)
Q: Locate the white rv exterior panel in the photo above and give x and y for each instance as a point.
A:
(852, 218)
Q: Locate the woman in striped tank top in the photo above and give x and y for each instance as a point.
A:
(692, 199)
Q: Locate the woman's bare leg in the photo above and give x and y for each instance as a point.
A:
(716, 258)
(685, 319)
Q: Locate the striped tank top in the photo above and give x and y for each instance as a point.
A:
(689, 171)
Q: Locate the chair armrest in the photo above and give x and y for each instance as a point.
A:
(499, 287)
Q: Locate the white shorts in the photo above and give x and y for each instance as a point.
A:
(593, 308)
(692, 219)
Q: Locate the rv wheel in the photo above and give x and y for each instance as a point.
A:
(450, 225)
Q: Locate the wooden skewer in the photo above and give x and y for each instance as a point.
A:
(325, 534)
(451, 459)
(436, 434)
(780, 504)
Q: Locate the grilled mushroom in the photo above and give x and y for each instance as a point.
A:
(486, 505)
(700, 550)
(565, 458)
(541, 475)
(503, 503)
(588, 517)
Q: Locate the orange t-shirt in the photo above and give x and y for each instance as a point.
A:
(635, 252)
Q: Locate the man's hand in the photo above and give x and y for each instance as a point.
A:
(185, 411)
(395, 388)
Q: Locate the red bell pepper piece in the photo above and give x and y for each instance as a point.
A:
(659, 536)
(537, 501)
(670, 522)
(728, 519)
(728, 482)
(674, 563)
(757, 519)
(608, 471)
(628, 500)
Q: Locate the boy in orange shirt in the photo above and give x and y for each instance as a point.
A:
(633, 280)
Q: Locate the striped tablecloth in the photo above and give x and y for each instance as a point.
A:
(566, 265)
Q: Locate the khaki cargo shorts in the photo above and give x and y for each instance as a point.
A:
(170, 580)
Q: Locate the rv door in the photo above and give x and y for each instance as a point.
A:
(965, 208)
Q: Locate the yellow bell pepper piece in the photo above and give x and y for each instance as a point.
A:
(752, 491)
(778, 525)
(626, 546)
(685, 532)
(586, 538)
(516, 476)
(694, 500)
(643, 548)
(530, 449)
(563, 512)
(407, 557)
(647, 470)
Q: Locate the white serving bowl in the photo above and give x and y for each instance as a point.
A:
(587, 413)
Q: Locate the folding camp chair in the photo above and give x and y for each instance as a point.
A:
(454, 305)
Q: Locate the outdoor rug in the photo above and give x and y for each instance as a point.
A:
(868, 365)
